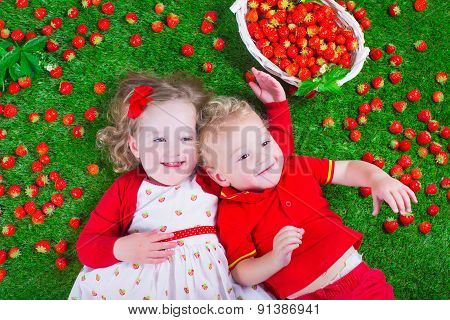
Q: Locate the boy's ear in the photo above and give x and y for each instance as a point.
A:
(132, 143)
(217, 176)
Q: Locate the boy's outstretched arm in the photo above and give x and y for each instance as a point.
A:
(272, 94)
(384, 188)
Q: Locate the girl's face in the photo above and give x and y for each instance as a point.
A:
(166, 141)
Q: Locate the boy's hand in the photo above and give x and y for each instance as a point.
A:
(266, 88)
(285, 241)
(395, 193)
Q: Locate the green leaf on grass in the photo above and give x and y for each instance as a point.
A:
(33, 62)
(10, 58)
(35, 44)
(25, 66)
(305, 87)
(332, 87)
(5, 44)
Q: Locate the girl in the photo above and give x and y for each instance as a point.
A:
(152, 235)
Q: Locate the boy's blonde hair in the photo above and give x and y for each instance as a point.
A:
(214, 115)
(114, 138)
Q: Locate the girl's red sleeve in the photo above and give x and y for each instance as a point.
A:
(96, 241)
(280, 125)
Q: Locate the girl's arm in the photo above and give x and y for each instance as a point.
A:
(384, 188)
(253, 271)
(272, 94)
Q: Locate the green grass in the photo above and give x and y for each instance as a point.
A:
(416, 265)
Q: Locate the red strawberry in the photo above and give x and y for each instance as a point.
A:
(394, 10)
(396, 171)
(103, 24)
(37, 217)
(48, 208)
(420, 45)
(41, 180)
(441, 77)
(404, 145)
(55, 71)
(68, 119)
(47, 30)
(413, 95)
(13, 88)
(30, 207)
(24, 82)
(377, 82)
(82, 29)
(14, 252)
(425, 227)
(390, 225)
(131, 17)
(328, 122)
(56, 23)
(410, 133)
(21, 4)
(187, 50)
(355, 135)
(435, 147)
(404, 161)
(108, 8)
(396, 127)
(424, 115)
(21, 150)
(72, 13)
(43, 246)
(390, 48)
(219, 44)
(78, 42)
(33, 117)
(376, 54)
(32, 191)
(61, 246)
(60, 184)
(431, 189)
(91, 114)
(40, 13)
(54, 175)
(422, 152)
(433, 210)
(394, 144)
(395, 77)
(8, 230)
(364, 108)
(437, 96)
(17, 35)
(86, 3)
(362, 119)
(376, 104)
(406, 219)
(368, 157)
(159, 8)
(406, 179)
(3, 273)
(99, 87)
(172, 20)
(74, 223)
(69, 55)
(57, 199)
(350, 123)
(78, 131)
(420, 5)
(76, 193)
(362, 88)
(416, 173)
(441, 158)
(211, 16)
(135, 40)
(350, 5)
(14, 191)
(399, 106)
(157, 26)
(61, 263)
(206, 27)
(9, 111)
(44, 159)
(249, 76)
(65, 88)
(445, 183)
(445, 132)
(396, 60)
(8, 162)
(42, 148)
(359, 13)
(3, 256)
(50, 115)
(365, 191)
(20, 212)
(415, 186)
(95, 38)
(3, 134)
(208, 67)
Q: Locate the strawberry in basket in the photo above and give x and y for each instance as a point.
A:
(309, 43)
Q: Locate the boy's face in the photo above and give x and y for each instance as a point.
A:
(244, 155)
(166, 141)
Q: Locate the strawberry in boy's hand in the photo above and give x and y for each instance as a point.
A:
(267, 88)
(285, 241)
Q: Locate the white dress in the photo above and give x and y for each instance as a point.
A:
(197, 270)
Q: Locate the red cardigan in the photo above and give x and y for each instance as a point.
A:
(112, 216)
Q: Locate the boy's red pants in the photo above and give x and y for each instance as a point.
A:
(362, 283)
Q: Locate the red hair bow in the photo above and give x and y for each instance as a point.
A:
(139, 100)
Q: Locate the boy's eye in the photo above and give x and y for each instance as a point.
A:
(244, 156)
(159, 140)
(187, 139)
(265, 143)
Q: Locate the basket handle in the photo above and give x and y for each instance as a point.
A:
(235, 7)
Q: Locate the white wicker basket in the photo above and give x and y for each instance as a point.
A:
(344, 19)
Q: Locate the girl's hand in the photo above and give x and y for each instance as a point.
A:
(267, 89)
(395, 193)
(285, 241)
(144, 247)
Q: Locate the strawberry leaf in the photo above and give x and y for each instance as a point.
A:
(2, 76)
(15, 72)
(34, 63)
(25, 66)
(5, 44)
(35, 44)
(305, 87)
(336, 73)
(332, 87)
(10, 58)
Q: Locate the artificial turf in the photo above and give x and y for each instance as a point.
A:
(415, 264)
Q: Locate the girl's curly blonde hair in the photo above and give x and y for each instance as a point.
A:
(114, 138)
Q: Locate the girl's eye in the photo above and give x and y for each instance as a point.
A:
(265, 143)
(187, 139)
(244, 156)
(159, 140)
